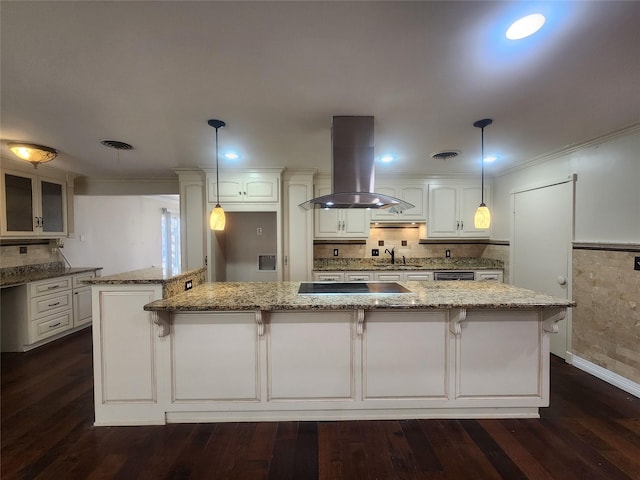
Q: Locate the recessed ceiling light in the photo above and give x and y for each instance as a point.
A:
(490, 158)
(525, 26)
(387, 158)
(231, 155)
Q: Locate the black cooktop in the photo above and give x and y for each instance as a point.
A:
(350, 288)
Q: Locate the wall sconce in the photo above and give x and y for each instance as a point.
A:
(31, 152)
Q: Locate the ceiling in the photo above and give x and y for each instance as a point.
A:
(152, 73)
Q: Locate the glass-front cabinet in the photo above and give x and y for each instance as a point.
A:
(32, 206)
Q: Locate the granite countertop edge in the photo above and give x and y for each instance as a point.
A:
(282, 296)
(144, 276)
(34, 275)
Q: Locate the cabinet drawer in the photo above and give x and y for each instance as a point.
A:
(50, 304)
(78, 279)
(51, 325)
(45, 287)
(358, 276)
(328, 277)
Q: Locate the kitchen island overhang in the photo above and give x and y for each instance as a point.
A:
(261, 352)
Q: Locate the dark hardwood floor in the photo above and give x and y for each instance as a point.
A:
(590, 431)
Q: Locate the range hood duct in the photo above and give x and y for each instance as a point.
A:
(353, 169)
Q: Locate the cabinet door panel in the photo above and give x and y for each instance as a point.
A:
(261, 190)
(470, 199)
(128, 347)
(53, 196)
(216, 357)
(81, 307)
(356, 222)
(499, 355)
(405, 357)
(443, 210)
(18, 201)
(308, 358)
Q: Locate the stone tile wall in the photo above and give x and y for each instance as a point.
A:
(606, 319)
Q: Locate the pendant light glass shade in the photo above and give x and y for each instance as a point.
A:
(36, 154)
(482, 217)
(217, 217)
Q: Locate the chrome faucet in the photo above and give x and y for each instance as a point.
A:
(393, 255)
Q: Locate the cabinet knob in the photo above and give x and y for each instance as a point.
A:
(562, 280)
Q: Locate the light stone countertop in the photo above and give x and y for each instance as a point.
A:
(172, 282)
(13, 276)
(272, 296)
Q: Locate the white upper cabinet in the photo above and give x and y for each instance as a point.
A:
(414, 194)
(340, 223)
(254, 187)
(451, 211)
(32, 206)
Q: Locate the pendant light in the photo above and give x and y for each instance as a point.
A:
(482, 217)
(217, 218)
(36, 154)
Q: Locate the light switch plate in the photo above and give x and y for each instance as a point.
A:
(636, 263)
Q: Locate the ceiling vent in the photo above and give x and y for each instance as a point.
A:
(117, 144)
(445, 154)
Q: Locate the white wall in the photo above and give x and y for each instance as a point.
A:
(607, 190)
(118, 233)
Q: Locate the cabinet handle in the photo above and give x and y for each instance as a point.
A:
(53, 287)
(55, 325)
(462, 225)
(240, 193)
(53, 304)
(244, 193)
(458, 225)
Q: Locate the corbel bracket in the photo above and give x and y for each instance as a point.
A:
(551, 317)
(260, 323)
(456, 319)
(161, 320)
(360, 321)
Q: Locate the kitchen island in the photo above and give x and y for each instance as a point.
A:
(261, 351)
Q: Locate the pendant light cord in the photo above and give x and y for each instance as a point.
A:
(481, 160)
(217, 174)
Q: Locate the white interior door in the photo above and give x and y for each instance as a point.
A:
(541, 247)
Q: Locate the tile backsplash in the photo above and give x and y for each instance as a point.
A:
(10, 255)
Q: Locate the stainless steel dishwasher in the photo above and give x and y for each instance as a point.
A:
(453, 275)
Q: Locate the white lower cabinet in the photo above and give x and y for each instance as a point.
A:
(316, 365)
(127, 353)
(39, 312)
(82, 299)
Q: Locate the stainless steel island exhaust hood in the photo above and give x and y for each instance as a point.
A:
(353, 174)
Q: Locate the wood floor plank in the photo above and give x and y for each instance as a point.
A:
(519, 453)
(591, 430)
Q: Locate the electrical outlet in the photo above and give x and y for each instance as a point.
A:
(335, 252)
(259, 230)
(447, 253)
(23, 249)
(636, 263)
(375, 252)
(188, 285)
